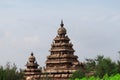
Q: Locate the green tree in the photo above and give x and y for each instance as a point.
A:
(90, 65)
(105, 66)
(99, 67)
(78, 74)
(10, 72)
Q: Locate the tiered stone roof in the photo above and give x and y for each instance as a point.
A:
(32, 70)
(61, 62)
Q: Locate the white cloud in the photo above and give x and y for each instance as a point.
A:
(26, 28)
(31, 41)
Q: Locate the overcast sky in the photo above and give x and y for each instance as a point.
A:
(31, 25)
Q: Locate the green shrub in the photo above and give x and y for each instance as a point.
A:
(105, 77)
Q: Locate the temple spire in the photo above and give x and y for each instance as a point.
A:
(32, 69)
(62, 30)
(61, 63)
(61, 23)
(32, 54)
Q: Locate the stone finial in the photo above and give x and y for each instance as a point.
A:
(32, 58)
(61, 23)
(62, 30)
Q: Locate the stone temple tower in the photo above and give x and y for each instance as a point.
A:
(61, 62)
(32, 71)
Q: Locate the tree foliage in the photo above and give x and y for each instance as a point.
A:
(78, 74)
(10, 72)
(105, 77)
(105, 66)
(98, 67)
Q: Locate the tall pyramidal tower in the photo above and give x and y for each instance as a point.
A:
(61, 62)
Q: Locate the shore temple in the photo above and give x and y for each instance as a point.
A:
(61, 62)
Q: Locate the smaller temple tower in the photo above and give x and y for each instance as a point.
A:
(32, 71)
